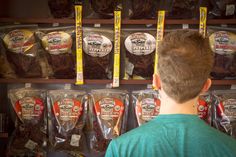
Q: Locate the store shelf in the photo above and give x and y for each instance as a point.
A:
(124, 82)
(3, 135)
(110, 21)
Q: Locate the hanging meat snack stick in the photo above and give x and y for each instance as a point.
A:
(30, 133)
(146, 104)
(22, 50)
(67, 114)
(108, 114)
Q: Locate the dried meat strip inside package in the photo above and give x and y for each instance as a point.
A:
(108, 116)
(98, 53)
(224, 102)
(139, 50)
(29, 137)
(223, 43)
(146, 104)
(67, 115)
(22, 49)
(57, 45)
(61, 8)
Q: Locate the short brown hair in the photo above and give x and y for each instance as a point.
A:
(185, 62)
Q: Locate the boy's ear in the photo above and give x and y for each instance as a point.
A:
(206, 85)
(156, 81)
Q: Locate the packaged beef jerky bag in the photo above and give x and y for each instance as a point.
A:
(67, 115)
(204, 107)
(22, 49)
(61, 8)
(57, 45)
(146, 104)
(179, 9)
(223, 43)
(6, 70)
(108, 116)
(139, 47)
(103, 8)
(142, 9)
(98, 53)
(29, 137)
(224, 103)
(222, 8)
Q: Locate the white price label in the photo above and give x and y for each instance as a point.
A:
(75, 140)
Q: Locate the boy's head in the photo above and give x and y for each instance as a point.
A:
(185, 62)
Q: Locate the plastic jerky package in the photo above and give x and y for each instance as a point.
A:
(22, 49)
(146, 104)
(61, 8)
(29, 137)
(141, 9)
(98, 53)
(223, 43)
(67, 116)
(222, 8)
(224, 102)
(108, 116)
(139, 47)
(57, 45)
(104, 8)
(204, 107)
(179, 9)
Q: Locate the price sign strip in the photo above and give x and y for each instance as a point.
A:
(202, 22)
(116, 66)
(79, 51)
(159, 37)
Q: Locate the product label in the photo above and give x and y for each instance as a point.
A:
(67, 112)
(31, 145)
(97, 45)
(75, 140)
(19, 41)
(203, 19)
(57, 42)
(202, 108)
(116, 66)
(230, 108)
(224, 43)
(29, 108)
(79, 51)
(109, 108)
(148, 108)
(230, 9)
(140, 43)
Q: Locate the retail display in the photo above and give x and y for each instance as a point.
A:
(139, 47)
(29, 137)
(224, 103)
(223, 43)
(108, 116)
(98, 53)
(146, 104)
(67, 116)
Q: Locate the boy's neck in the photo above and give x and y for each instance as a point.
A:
(169, 106)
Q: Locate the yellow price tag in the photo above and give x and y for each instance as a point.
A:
(116, 67)
(203, 19)
(79, 51)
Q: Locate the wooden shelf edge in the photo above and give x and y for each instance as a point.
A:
(72, 81)
(3, 135)
(111, 21)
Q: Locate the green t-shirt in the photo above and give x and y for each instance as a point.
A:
(176, 135)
